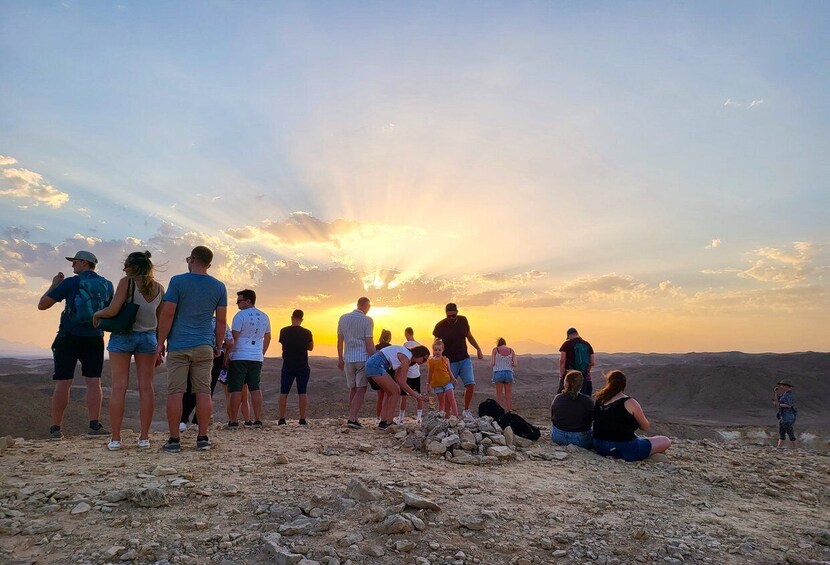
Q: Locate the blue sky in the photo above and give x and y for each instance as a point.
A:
(554, 160)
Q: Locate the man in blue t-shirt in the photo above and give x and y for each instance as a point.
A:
(77, 339)
(186, 324)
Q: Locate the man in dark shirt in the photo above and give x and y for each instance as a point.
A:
(576, 354)
(454, 331)
(296, 343)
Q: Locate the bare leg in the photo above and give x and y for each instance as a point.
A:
(357, 402)
(120, 367)
(246, 409)
(500, 394)
(508, 396)
(60, 400)
(283, 405)
(379, 404)
(468, 395)
(403, 403)
(236, 399)
(228, 402)
(442, 402)
(303, 401)
(93, 398)
(204, 407)
(146, 369)
(453, 405)
(659, 444)
(174, 413)
(391, 397)
(256, 401)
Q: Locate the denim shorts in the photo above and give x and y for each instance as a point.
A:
(463, 370)
(561, 437)
(505, 377)
(634, 450)
(449, 387)
(133, 342)
(377, 365)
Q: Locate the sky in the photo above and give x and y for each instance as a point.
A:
(653, 174)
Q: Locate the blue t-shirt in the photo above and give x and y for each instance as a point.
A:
(67, 290)
(196, 298)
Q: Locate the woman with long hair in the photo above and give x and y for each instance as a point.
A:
(140, 342)
(571, 413)
(617, 417)
(388, 369)
(503, 361)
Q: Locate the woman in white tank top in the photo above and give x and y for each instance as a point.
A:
(503, 361)
(140, 342)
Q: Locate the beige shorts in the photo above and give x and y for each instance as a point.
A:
(356, 374)
(194, 363)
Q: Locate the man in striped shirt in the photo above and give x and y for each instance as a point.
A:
(355, 344)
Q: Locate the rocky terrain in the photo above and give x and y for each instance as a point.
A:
(327, 494)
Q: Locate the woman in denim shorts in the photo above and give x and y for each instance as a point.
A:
(503, 361)
(139, 342)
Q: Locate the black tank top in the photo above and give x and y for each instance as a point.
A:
(613, 422)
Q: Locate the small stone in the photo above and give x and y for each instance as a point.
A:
(148, 497)
(471, 522)
(395, 524)
(161, 471)
(559, 553)
(417, 501)
(366, 447)
(405, 545)
(80, 508)
(359, 491)
(230, 490)
(509, 438)
(281, 459)
(375, 551)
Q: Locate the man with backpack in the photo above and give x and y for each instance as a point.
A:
(77, 339)
(576, 354)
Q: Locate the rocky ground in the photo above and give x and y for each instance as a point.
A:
(328, 494)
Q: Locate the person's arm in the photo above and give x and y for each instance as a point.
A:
(513, 361)
(340, 362)
(563, 362)
(449, 369)
(235, 334)
(636, 410)
(47, 301)
(370, 347)
(168, 310)
(115, 305)
(473, 342)
(430, 371)
(493, 357)
(310, 342)
(400, 378)
(266, 341)
(219, 332)
(591, 362)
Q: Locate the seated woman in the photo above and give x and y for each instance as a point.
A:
(394, 360)
(616, 417)
(571, 414)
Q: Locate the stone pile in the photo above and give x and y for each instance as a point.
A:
(468, 441)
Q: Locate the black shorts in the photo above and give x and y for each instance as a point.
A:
(414, 384)
(68, 349)
(287, 377)
(375, 386)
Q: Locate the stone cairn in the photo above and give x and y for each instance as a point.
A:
(468, 441)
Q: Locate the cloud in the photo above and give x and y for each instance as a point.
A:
(755, 103)
(28, 185)
(731, 104)
(11, 279)
(300, 228)
(774, 265)
(714, 244)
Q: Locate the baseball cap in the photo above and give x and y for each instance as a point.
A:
(451, 307)
(785, 383)
(84, 256)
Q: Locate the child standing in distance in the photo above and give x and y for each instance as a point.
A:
(441, 382)
(785, 403)
(384, 341)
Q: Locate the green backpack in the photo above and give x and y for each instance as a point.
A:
(93, 294)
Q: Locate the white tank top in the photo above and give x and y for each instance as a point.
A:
(503, 362)
(146, 319)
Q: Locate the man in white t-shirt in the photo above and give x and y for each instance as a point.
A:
(413, 379)
(251, 331)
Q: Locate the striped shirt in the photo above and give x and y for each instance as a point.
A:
(355, 327)
(503, 362)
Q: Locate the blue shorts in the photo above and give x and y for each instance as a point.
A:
(634, 450)
(463, 370)
(449, 387)
(505, 377)
(287, 377)
(561, 437)
(377, 365)
(142, 343)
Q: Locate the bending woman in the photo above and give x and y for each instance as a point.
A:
(616, 417)
(139, 342)
(571, 413)
(394, 360)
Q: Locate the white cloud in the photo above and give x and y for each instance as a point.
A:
(755, 103)
(5, 160)
(773, 265)
(714, 244)
(23, 183)
(731, 104)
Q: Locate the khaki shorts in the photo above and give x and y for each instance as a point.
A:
(356, 374)
(195, 363)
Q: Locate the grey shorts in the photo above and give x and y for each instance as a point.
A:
(356, 374)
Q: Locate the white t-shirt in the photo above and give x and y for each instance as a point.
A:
(391, 353)
(252, 325)
(414, 370)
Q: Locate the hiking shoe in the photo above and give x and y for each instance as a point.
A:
(383, 425)
(172, 446)
(354, 424)
(302, 422)
(233, 425)
(96, 432)
(258, 424)
(248, 424)
(55, 433)
(281, 422)
(114, 445)
(144, 443)
(182, 426)
(203, 443)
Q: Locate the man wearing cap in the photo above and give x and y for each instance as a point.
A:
(77, 339)
(296, 343)
(785, 403)
(454, 330)
(576, 354)
(354, 346)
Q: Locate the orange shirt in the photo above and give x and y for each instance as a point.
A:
(439, 372)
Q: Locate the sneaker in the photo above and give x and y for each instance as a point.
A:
(55, 433)
(97, 432)
(258, 424)
(203, 443)
(114, 445)
(354, 424)
(233, 425)
(281, 422)
(172, 446)
(468, 414)
(383, 425)
(248, 424)
(182, 427)
(302, 422)
(144, 443)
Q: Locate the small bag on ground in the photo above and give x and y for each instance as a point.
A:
(490, 408)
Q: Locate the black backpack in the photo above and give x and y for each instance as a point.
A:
(490, 408)
(520, 426)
